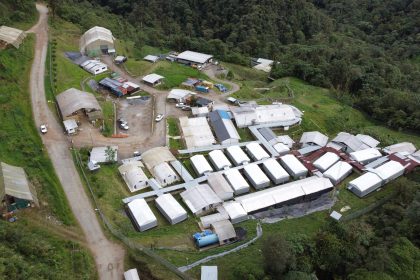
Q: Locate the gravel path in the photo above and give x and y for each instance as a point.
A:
(109, 257)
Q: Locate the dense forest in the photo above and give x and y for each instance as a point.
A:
(12, 11)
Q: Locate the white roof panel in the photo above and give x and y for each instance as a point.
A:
(170, 206)
(281, 148)
(219, 159)
(200, 164)
(194, 56)
(237, 154)
(255, 172)
(326, 161)
(366, 181)
(338, 171)
(366, 155)
(236, 180)
(293, 163)
(152, 78)
(368, 140)
(276, 170)
(389, 169)
(141, 212)
(256, 151)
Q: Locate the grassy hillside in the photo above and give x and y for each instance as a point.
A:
(35, 244)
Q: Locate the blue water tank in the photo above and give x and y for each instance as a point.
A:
(207, 240)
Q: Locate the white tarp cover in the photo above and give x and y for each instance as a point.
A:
(195, 57)
(366, 155)
(390, 170)
(256, 151)
(338, 172)
(313, 138)
(99, 154)
(326, 161)
(403, 148)
(293, 190)
(133, 176)
(236, 181)
(200, 165)
(200, 198)
(275, 171)
(95, 37)
(170, 208)
(142, 214)
(293, 166)
(237, 155)
(209, 273)
(164, 174)
(152, 78)
(235, 211)
(365, 184)
(11, 35)
(131, 274)
(220, 186)
(14, 182)
(254, 173)
(196, 132)
(368, 140)
(219, 160)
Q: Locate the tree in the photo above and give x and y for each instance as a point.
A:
(110, 154)
(278, 255)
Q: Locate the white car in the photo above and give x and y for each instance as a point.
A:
(159, 117)
(179, 105)
(43, 128)
(124, 126)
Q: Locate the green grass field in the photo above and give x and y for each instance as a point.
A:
(176, 73)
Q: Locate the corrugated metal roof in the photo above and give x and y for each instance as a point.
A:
(14, 182)
(11, 35)
(94, 34)
(73, 100)
(152, 78)
(267, 133)
(224, 230)
(194, 56)
(350, 141)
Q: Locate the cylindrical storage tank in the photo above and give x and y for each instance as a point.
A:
(207, 240)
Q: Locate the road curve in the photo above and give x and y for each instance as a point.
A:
(108, 256)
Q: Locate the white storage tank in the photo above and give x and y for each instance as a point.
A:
(219, 160)
(237, 155)
(293, 166)
(275, 171)
(255, 175)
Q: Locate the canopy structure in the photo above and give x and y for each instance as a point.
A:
(11, 36)
(73, 101)
(152, 79)
(14, 183)
(96, 40)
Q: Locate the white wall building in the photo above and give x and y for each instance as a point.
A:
(338, 172)
(200, 199)
(256, 152)
(326, 161)
(365, 156)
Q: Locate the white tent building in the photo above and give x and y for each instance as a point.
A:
(200, 199)
(326, 161)
(164, 174)
(365, 184)
(405, 148)
(255, 175)
(200, 165)
(281, 148)
(313, 138)
(275, 171)
(141, 214)
(389, 171)
(133, 176)
(338, 172)
(96, 41)
(196, 132)
(237, 155)
(152, 79)
(293, 166)
(190, 58)
(365, 156)
(234, 211)
(237, 181)
(219, 160)
(220, 186)
(256, 152)
(368, 140)
(171, 209)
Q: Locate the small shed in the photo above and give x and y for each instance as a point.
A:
(219, 160)
(235, 211)
(338, 172)
(326, 161)
(365, 184)
(256, 152)
(366, 156)
(275, 171)
(225, 231)
(70, 126)
(293, 166)
(131, 274)
(11, 36)
(209, 273)
(200, 111)
(220, 186)
(179, 95)
(171, 209)
(255, 175)
(133, 176)
(281, 148)
(237, 181)
(200, 165)
(15, 188)
(237, 155)
(151, 58)
(153, 79)
(335, 215)
(104, 154)
(200, 199)
(141, 214)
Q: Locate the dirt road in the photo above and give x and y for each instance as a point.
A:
(109, 257)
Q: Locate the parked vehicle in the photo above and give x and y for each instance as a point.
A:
(124, 126)
(203, 89)
(180, 105)
(221, 87)
(186, 108)
(43, 128)
(232, 100)
(122, 121)
(136, 153)
(159, 117)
